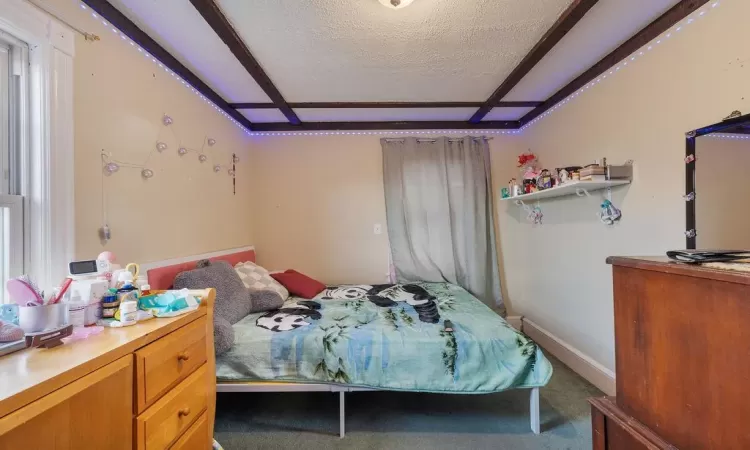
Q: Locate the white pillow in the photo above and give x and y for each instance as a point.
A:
(256, 277)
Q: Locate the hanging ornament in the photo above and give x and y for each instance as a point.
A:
(230, 172)
(235, 159)
(166, 120)
(211, 142)
(217, 168)
(202, 158)
(147, 173)
(111, 168)
(182, 151)
(161, 146)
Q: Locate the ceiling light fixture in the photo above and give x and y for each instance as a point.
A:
(396, 4)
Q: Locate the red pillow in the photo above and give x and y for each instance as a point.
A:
(299, 284)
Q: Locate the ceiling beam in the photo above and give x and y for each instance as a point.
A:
(376, 105)
(131, 30)
(643, 37)
(569, 18)
(409, 125)
(218, 21)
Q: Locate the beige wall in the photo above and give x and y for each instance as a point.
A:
(722, 215)
(321, 197)
(186, 208)
(558, 277)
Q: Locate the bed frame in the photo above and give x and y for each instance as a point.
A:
(342, 389)
(161, 275)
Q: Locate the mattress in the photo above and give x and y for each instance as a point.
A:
(366, 341)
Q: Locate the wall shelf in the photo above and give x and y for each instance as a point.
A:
(569, 188)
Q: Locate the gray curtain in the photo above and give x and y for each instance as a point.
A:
(439, 210)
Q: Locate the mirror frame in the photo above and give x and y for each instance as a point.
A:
(736, 118)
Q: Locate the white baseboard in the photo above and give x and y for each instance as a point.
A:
(515, 321)
(583, 365)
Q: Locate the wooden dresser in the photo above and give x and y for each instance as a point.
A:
(682, 344)
(146, 387)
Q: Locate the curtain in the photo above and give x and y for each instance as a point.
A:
(439, 211)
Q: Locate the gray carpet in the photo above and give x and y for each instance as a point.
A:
(388, 420)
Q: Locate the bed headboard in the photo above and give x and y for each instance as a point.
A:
(163, 277)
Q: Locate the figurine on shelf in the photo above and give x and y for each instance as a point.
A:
(529, 185)
(544, 180)
(564, 175)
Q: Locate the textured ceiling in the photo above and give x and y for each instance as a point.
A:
(434, 50)
(359, 51)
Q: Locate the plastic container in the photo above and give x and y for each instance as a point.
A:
(77, 314)
(33, 319)
(93, 313)
(128, 313)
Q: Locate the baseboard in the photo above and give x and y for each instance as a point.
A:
(583, 365)
(515, 321)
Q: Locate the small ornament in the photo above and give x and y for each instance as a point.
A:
(211, 142)
(105, 234)
(147, 173)
(166, 120)
(235, 159)
(609, 214)
(202, 158)
(161, 146)
(111, 167)
(230, 172)
(689, 159)
(182, 151)
(217, 168)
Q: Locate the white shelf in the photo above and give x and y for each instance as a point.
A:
(569, 188)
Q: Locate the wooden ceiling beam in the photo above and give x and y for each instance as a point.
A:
(408, 125)
(213, 15)
(678, 12)
(131, 30)
(379, 105)
(561, 27)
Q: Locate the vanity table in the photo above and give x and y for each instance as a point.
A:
(150, 386)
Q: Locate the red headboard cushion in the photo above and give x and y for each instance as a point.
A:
(163, 277)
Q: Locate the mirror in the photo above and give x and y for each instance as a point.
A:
(716, 190)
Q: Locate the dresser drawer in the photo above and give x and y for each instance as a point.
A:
(166, 362)
(167, 420)
(196, 437)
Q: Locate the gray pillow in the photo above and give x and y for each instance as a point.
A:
(232, 298)
(223, 335)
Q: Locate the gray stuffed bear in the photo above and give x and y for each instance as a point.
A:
(233, 300)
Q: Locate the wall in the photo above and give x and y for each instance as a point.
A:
(321, 197)
(186, 208)
(556, 273)
(721, 212)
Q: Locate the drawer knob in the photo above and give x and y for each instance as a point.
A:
(183, 412)
(183, 356)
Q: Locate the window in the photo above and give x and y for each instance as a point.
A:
(13, 57)
(36, 145)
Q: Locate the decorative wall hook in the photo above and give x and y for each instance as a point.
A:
(689, 158)
(691, 233)
(581, 192)
(690, 197)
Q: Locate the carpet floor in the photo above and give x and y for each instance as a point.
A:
(389, 420)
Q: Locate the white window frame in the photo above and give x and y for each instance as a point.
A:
(46, 179)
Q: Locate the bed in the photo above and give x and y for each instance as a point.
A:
(446, 341)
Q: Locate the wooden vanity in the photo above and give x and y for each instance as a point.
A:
(150, 386)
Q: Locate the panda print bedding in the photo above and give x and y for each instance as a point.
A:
(294, 315)
(425, 337)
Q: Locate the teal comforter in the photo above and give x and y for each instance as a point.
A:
(356, 342)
